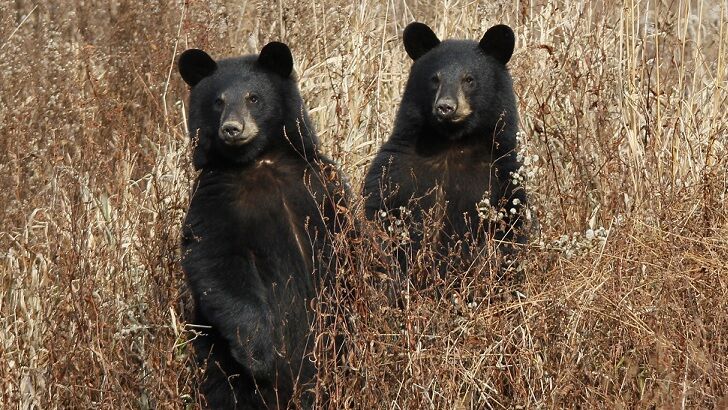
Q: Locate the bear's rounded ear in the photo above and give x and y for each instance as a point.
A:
(418, 39)
(499, 42)
(194, 65)
(277, 57)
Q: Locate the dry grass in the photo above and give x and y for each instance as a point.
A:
(624, 105)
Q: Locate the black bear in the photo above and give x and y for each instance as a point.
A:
(256, 241)
(450, 167)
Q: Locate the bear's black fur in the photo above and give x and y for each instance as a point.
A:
(453, 145)
(256, 238)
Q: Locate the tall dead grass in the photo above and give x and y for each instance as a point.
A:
(624, 126)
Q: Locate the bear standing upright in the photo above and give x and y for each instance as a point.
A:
(257, 235)
(451, 158)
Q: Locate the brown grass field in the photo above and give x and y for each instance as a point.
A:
(624, 124)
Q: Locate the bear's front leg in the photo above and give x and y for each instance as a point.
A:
(233, 300)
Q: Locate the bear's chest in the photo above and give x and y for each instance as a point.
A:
(461, 176)
(262, 204)
(279, 195)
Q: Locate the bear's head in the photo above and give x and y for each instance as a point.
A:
(460, 88)
(240, 108)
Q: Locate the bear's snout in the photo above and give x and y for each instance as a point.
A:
(231, 132)
(445, 108)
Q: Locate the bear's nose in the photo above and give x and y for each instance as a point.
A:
(231, 130)
(445, 108)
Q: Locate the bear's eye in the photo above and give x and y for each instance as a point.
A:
(219, 103)
(468, 80)
(435, 79)
(253, 98)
